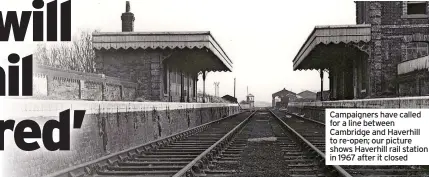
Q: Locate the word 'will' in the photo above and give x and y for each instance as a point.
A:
(19, 27)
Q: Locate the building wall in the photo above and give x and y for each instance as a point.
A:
(391, 30)
(395, 13)
(146, 68)
(392, 13)
(362, 12)
(139, 66)
(108, 127)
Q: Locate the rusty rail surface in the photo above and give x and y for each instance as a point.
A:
(319, 153)
(212, 151)
(90, 168)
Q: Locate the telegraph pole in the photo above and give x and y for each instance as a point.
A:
(216, 84)
(234, 87)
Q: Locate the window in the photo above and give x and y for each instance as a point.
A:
(415, 50)
(416, 8)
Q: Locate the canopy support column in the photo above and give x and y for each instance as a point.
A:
(321, 84)
(195, 88)
(204, 86)
(188, 90)
(182, 87)
(355, 79)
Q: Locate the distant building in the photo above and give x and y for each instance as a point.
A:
(307, 96)
(386, 54)
(249, 103)
(285, 97)
(250, 100)
(230, 98)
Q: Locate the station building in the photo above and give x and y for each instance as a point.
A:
(384, 55)
(165, 65)
(281, 98)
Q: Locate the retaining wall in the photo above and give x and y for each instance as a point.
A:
(108, 127)
(316, 110)
(61, 84)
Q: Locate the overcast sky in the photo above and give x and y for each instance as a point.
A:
(260, 37)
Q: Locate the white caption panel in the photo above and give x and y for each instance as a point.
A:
(377, 136)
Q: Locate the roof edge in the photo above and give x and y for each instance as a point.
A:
(327, 27)
(307, 42)
(151, 33)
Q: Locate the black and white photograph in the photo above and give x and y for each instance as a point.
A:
(214, 88)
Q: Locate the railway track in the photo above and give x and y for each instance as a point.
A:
(184, 157)
(266, 146)
(184, 152)
(247, 144)
(261, 143)
(314, 132)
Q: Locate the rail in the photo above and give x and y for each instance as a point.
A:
(339, 169)
(200, 158)
(311, 120)
(92, 166)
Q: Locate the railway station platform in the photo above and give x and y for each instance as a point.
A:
(109, 128)
(316, 110)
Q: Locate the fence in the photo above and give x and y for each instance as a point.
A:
(53, 83)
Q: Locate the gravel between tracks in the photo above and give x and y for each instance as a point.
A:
(262, 158)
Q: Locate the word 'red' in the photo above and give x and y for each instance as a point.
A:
(63, 125)
(19, 27)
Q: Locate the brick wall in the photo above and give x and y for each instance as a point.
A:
(139, 66)
(391, 30)
(145, 67)
(55, 83)
(108, 127)
(395, 13)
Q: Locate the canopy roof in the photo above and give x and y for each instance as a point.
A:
(324, 35)
(161, 40)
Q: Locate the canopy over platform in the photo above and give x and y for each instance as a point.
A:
(204, 49)
(317, 53)
(343, 51)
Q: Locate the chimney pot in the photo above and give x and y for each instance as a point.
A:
(127, 6)
(127, 19)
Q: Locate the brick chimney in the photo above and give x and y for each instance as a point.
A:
(127, 19)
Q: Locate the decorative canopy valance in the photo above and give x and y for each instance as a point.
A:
(332, 35)
(161, 40)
